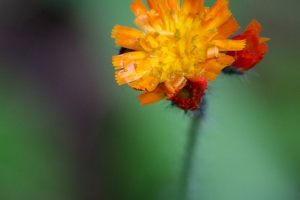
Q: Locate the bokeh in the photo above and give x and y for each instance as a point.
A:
(68, 131)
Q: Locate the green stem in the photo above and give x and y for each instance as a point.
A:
(187, 171)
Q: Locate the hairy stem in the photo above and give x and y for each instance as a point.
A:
(192, 141)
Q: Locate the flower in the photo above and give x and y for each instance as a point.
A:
(177, 50)
(254, 51)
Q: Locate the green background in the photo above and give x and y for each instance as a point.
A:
(68, 131)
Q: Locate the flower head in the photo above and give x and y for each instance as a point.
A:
(254, 50)
(177, 48)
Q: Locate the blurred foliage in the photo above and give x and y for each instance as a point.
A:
(68, 131)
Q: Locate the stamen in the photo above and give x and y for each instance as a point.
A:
(194, 38)
(194, 48)
(177, 35)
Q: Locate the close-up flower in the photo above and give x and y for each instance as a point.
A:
(254, 51)
(149, 100)
(176, 49)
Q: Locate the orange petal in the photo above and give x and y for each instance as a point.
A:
(153, 4)
(197, 79)
(143, 25)
(174, 85)
(262, 48)
(146, 83)
(138, 8)
(173, 5)
(149, 42)
(212, 67)
(217, 15)
(227, 29)
(128, 60)
(127, 37)
(230, 45)
(142, 18)
(129, 63)
(123, 76)
(254, 26)
(162, 9)
(155, 20)
(263, 39)
(225, 59)
(154, 96)
(192, 6)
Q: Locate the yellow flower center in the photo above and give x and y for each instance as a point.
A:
(176, 53)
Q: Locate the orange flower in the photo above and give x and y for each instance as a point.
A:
(254, 50)
(176, 46)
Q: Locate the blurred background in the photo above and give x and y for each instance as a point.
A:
(68, 131)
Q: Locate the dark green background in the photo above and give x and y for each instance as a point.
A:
(68, 131)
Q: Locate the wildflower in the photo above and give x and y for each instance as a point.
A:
(253, 52)
(177, 50)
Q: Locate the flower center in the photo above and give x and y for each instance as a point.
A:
(172, 53)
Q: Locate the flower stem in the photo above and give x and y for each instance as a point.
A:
(187, 170)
